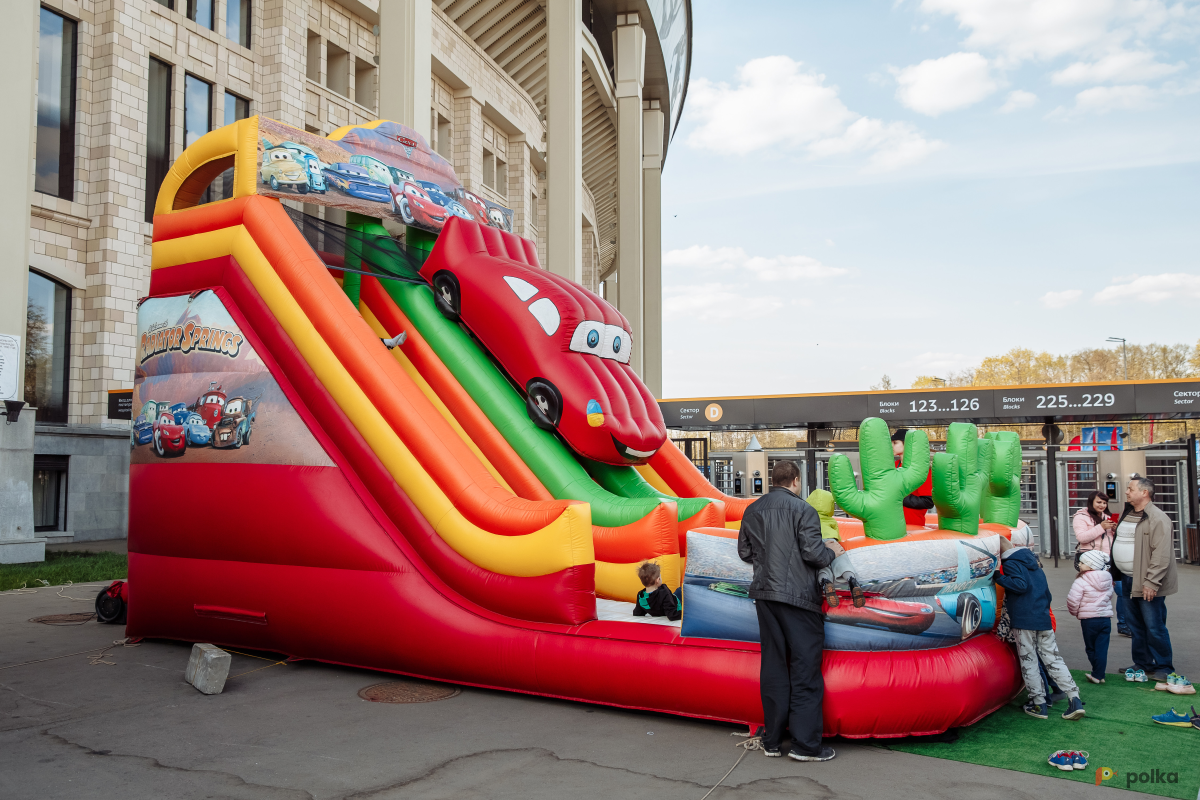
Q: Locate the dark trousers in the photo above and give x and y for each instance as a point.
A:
(1147, 621)
(1096, 633)
(790, 676)
(1122, 609)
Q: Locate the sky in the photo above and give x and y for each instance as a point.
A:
(865, 188)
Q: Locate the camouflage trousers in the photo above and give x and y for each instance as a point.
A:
(1034, 645)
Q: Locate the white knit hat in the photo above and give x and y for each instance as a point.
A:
(1094, 559)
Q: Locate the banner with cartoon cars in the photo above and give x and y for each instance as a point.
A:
(382, 169)
(205, 395)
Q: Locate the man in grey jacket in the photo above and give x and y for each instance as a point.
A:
(781, 537)
(1153, 577)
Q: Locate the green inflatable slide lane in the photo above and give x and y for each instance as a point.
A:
(545, 455)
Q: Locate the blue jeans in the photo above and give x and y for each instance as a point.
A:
(1096, 633)
(1147, 622)
(1122, 610)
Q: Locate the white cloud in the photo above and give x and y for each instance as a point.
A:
(1017, 100)
(938, 85)
(722, 301)
(775, 104)
(1102, 99)
(1061, 299)
(1046, 29)
(1152, 288)
(1125, 66)
(776, 268)
(933, 363)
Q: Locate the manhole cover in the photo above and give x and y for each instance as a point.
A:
(408, 692)
(64, 619)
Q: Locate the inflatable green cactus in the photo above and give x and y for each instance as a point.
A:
(960, 477)
(1002, 500)
(879, 504)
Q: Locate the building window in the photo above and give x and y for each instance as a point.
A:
(312, 69)
(364, 83)
(197, 116)
(337, 69)
(47, 347)
(533, 211)
(235, 108)
(56, 106)
(158, 131)
(501, 186)
(166, 3)
(237, 22)
(444, 138)
(201, 12)
(489, 169)
(49, 493)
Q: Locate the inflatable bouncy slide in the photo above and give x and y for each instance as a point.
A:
(431, 457)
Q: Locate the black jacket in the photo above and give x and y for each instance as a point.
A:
(659, 603)
(781, 537)
(1026, 593)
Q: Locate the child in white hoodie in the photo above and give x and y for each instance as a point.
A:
(1089, 601)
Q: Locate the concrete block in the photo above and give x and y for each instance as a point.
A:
(208, 668)
(22, 551)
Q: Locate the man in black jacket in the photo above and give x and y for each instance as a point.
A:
(781, 537)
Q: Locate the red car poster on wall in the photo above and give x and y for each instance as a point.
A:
(202, 394)
(382, 169)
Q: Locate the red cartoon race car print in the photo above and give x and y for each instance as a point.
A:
(567, 347)
(169, 437)
(885, 614)
(211, 405)
(415, 206)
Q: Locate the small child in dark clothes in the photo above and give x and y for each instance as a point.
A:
(656, 599)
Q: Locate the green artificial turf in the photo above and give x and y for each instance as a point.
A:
(61, 568)
(1117, 733)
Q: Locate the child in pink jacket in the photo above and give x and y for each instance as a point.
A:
(1090, 602)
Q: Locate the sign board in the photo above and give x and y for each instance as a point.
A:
(120, 404)
(383, 169)
(1009, 404)
(10, 365)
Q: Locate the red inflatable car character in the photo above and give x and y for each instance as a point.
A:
(567, 347)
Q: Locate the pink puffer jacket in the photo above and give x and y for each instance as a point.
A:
(1090, 595)
(1090, 535)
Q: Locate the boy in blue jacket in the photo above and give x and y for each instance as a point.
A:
(1027, 596)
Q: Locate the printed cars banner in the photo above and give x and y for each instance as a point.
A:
(202, 394)
(382, 169)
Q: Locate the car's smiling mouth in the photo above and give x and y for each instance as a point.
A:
(628, 452)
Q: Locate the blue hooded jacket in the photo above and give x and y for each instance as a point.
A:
(1026, 593)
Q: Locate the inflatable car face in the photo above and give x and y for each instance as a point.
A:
(168, 436)
(567, 347)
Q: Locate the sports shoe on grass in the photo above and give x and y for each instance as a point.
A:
(1173, 719)
(1177, 684)
(1135, 675)
(1079, 759)
(1195, 719)
(1063, 759)
(1093, 679)
(1038, 710)
(827, 754)
(1075, 709)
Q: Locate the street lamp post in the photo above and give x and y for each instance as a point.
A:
(1124, 355)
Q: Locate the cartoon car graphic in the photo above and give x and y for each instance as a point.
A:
(498, 219)
(477, 207)
(168, 435)
(573, 358)
(974, 609)
(195, 427)
(280, 168)
(305, 156)
(384, 173)
(211, 405)
(141, 432)
(235, 426)
(357, 182)
(889, 615)
(150, 409)
(452, 206)
(415, 207)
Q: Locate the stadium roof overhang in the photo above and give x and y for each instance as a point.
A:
(986, 405)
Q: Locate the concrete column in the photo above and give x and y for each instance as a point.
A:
(405, 61)
(564, 138)
(17, 542)
(652, 145)
(629, 47)
(468, 139)
(517, 156)
(285, 53)
(18, 58)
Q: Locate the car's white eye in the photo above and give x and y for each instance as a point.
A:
(618, 344)
(546, 313)
(588, 337)
(522, 289)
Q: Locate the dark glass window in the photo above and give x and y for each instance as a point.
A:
(47, 347)
(201, 12)
(197, 116)
(237, 22)
(49, 492)
(235, 108)
(167, 3)
(158, 131)
(56, 106)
